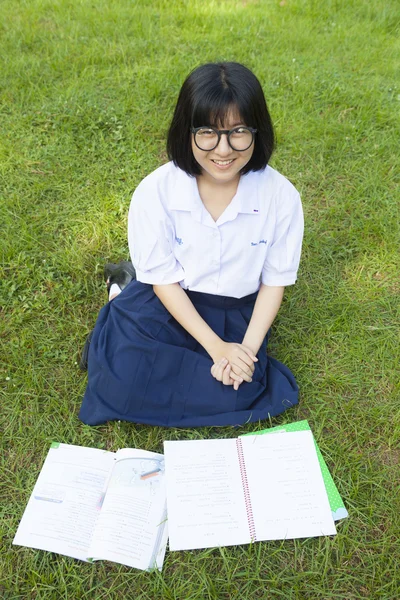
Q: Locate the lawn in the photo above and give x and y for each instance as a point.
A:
(87, 90)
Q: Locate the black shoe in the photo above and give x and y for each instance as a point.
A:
(121, 274)
(83, 362)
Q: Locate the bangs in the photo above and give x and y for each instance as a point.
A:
(214, 109)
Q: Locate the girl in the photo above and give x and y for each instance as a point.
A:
(215, 236)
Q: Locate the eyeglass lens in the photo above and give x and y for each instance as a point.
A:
(239, 139)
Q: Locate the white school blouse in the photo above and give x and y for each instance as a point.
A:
(173, 238)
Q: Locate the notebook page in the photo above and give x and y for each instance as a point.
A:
(287, 491)
(205, 496)
(338, 508)
(63, 508)
(132, 527)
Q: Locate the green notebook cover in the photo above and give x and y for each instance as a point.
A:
(335, 501)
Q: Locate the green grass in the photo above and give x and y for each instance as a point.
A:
(86, 93)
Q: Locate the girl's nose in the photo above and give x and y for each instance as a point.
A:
(223, 148)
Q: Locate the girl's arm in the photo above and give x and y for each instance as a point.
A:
(181, 308)
(266, 308)
(267, 304)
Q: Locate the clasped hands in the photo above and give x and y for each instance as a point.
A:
(233, 364)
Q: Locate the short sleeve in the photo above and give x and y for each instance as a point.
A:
(283, 255)
(150, 237)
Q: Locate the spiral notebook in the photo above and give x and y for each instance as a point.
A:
(238, 491)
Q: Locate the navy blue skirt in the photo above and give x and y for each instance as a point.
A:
(144, 367)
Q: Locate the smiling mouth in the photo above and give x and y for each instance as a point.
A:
(223, 163)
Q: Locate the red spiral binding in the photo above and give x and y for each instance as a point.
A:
(245, 485)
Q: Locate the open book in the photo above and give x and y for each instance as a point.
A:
(236, 491)
(92, 504)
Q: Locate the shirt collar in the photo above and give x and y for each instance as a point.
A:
(245, 200)
(185, 193)
(247, 193)
(186, 196)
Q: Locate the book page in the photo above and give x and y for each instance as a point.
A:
(132, 527)
(63, 508)
(287, 491)
(205, 496)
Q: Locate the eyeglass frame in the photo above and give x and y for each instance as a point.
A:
(226, 132)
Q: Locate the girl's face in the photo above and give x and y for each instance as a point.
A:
(223, 164)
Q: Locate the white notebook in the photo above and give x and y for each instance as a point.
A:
(237, 491)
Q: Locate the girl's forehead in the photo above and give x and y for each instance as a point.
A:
(231, 118)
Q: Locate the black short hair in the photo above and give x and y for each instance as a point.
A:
(205, 98)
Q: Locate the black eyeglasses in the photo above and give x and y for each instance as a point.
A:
(208, 138)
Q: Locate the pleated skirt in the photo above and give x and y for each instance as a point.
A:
(145, 368)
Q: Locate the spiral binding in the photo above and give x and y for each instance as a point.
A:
(245, 485)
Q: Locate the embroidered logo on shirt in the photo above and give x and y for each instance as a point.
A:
(260, 242)
(179, 241)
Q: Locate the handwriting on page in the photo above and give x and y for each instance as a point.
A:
(287, 491)
(205, 495)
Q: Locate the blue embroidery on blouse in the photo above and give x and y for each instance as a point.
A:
(179, 241)
(260, 242)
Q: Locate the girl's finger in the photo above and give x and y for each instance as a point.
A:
(226, 378)
(235, 377)
(218, 373)
(239, 372)
(245, 358)
(217, 364)
(249, 369)
(249, 353)
(214, 368)
(218, 368)
(244, 362)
